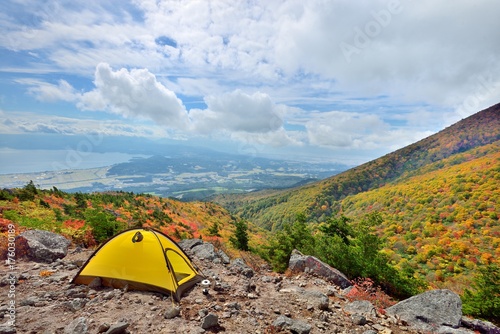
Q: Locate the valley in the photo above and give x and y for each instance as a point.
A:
(186, 176)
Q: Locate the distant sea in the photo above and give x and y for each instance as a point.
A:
(35, 161)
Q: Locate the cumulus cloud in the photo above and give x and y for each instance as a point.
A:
(135, 93)
(238, 111)
(138, 94)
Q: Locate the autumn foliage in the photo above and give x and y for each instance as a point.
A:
(89, 219)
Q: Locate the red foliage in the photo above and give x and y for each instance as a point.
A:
(75, 224)
(88, 238)
(4, 225)
(366, 289)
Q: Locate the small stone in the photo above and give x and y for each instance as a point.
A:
(96, 283)
(103, 327)
(252, 296)
(172, 312)
(118, 328)
(4, 329)
(30, 301)
(211, 320)
(358, 319)
(109, 295)
(77, 326)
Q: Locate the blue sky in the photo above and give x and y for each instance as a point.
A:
(340, 81)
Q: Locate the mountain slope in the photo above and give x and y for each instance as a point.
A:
(319, 200)
(442, 221)
(89, 219)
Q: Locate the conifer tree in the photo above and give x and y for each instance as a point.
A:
(240, 237)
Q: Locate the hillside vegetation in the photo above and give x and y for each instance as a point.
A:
(443, 220)
(438, 203)
(89, 219)
(272, 209)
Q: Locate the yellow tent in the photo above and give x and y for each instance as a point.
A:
(140, 259)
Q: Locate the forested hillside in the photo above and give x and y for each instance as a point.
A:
(321, 199)
(443, 219)
(89, 219)
(438, 201)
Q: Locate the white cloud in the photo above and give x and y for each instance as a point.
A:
(135, 93)
(343, 129)
(28, 122)
(238, 111)
(47, 92)
(349, 130)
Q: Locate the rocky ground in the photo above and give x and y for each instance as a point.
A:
(239, 299)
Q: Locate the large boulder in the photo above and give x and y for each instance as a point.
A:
(188, 244)
(44, 246)
(306, 263)
(205, 251)
(432, 311)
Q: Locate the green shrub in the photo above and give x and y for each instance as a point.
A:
(483, 300)
(104, 224)
(293, 236)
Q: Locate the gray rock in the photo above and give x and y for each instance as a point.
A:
(480, 325)
(239, 266)
(204, 251)
(430, 310)
(30, 301)
(317, 299)
(451, 330)
(362, 307)
(77, 292)
(233, 305)
(9, 279)
(300, 263)
(76, 304)
(96, 283)
(118, 328)
(172, 312)
(358, 319)
(224, 257)
(211, 320)
(293, 325)
(77, 326)
(188, 244)
(59, 277)
(45, 246)
(4, 329)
